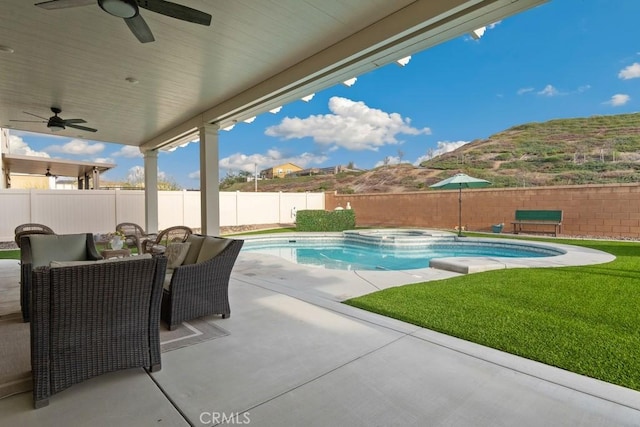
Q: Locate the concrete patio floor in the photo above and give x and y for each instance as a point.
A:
(296, 356)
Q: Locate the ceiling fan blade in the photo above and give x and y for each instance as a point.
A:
(63, 4)
(81, 127)
(70, 121)
(29, 121)
(35, 115)
(176, 11)
(139, 28)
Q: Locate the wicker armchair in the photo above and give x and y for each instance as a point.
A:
(94, 318)
(134, 235)
(176, 234)
(30, 228)
(200, 288)
(38, 250)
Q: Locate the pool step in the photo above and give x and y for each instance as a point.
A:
(464, 265)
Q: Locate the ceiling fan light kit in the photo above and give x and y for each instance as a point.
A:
(120, 8)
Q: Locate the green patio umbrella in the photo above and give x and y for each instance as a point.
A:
(458, 182)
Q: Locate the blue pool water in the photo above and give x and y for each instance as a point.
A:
(345, 255)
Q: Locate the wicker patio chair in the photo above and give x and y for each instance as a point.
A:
(94, 318)
(38, 250)
(30, 228)
(201, 288)
(176, 234)
(135, 236)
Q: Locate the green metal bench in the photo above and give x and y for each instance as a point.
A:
(537, 217)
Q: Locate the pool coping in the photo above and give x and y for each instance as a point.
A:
(572, 256)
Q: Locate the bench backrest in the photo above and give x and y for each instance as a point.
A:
(539, 215)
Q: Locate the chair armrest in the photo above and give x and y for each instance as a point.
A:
(92, 250)
(218, 268)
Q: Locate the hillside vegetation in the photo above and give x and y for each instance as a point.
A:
(593, 150)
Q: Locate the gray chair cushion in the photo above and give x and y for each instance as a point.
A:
(211, 247)
(194, 249)
(48, 247)
(176, 254)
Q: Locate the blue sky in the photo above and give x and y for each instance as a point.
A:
(566, 58)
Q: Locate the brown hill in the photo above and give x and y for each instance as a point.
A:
(594, 150)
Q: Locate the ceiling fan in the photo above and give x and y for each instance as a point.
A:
(49, 174)
(129, 11)
(57, 123)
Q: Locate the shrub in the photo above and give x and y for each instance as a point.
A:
(319, 220)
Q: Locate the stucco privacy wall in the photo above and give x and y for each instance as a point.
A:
(591, 210)
(98, 211)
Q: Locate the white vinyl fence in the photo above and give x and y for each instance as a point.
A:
(98, 211)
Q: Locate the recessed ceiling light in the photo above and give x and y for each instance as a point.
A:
(132, 80)
(6, 49)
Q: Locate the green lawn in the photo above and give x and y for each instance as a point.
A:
(10, 254)
(583, 319)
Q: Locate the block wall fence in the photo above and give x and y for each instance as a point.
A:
(611, 210)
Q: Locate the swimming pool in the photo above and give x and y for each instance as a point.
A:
(388, 249)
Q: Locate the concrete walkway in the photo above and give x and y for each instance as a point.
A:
(296, 356)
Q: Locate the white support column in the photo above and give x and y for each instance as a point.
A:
(209, 180)
(151, 191)
(96, 178)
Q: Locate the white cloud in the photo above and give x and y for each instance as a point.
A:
(247, 163)
(443, 147)
(136, 175)
(549, 90)
(102, 160)
(584, 88)
(194, 175)
(630, 72)
(421, 159)
(128, 151)
(447, 146)
(352, 125)
(390, 160)
(21, 148)
(618, 99)
(524, 90)
(77, 147)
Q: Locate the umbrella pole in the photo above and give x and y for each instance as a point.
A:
(460, 211)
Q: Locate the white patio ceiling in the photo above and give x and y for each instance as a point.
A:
(256, 55)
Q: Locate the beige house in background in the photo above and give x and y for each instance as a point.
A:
(280, 171)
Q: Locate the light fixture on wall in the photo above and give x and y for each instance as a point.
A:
(350, 82)
(403, 61)
(476, 34)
